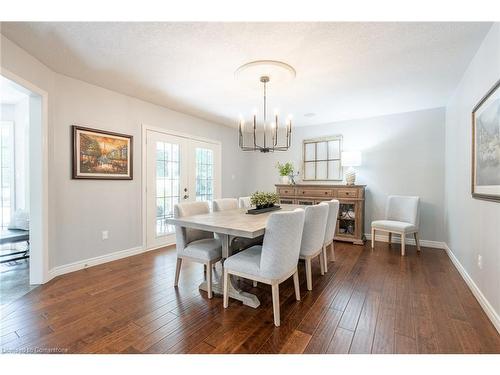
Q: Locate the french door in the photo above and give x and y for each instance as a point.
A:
(178, 169)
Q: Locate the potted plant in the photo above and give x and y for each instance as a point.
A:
(285, 170)
(263, 200)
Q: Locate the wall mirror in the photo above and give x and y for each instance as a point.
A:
(321, 159)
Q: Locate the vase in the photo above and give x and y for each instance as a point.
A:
(285, 180)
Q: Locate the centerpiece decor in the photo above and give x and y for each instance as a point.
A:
(263, 202)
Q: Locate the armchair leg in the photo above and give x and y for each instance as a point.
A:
(322, 262)
(254, 284)
(276, 304)
(373, 238)
(325, 258)
(177, 271)
(209, 280)
(390, 238)
(417, 242)
(403, 244)
(296, 285)
(332, 251)
(226, 292)
(309, 274)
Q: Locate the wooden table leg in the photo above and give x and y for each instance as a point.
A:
(248, 299)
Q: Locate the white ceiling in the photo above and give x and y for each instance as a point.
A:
(344, 70)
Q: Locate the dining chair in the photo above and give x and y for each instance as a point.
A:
(331, 225)
(244, 202)
(402, 216)
(273, 262)
(225, 204)
(196, 245)
(313, 237)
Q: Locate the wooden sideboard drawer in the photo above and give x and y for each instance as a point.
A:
(314, 192)
(286, 192)
(347, 193)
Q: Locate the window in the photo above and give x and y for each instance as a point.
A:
(322, 159)
(167, 185)
(7, 198)
(204, 174)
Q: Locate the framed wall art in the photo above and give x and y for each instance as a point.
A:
(486, 146)
(103, 155)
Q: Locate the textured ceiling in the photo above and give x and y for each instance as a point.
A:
(344, 70)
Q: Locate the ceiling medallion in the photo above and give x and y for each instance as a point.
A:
(265, 135)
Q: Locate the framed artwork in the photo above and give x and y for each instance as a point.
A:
(486, 146)
(101, 155)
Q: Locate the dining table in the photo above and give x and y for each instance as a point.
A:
(227, 225)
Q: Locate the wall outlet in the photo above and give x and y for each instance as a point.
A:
(105, 235)
(480, 262)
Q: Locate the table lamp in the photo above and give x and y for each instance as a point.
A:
(351, 159)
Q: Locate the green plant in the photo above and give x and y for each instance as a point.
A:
(285, 169)
(261, 199)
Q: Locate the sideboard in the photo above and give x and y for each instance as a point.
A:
(350, 222)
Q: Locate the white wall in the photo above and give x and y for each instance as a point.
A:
(402, 154)
(79, 210)
(472, 226)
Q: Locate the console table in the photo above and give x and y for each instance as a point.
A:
(350, 223)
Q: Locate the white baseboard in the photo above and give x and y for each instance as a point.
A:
(409, 241)
(488, 309)
(79, 265)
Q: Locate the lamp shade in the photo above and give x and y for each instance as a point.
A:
(351, 158)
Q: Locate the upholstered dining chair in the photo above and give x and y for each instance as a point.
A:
(225, 204)
(402, 216)
(313, 237)
(196, 245)
(331, 225)
(273, 262)
(244, 202)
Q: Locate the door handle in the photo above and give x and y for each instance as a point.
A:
(186, 196)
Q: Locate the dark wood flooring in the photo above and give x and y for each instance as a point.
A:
(369, 302)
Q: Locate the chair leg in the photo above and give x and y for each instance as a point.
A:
(254, 284)
(309, 274)
(403, 244)
(373, 238)
(177, 271)
(417, 242)
(322, 262)
(226, 286)
(390, 238)
(325, 258)
(296, 285)
(332, 251)
(209, 280)
(276, 304)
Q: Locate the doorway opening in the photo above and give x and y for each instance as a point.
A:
(22, 255)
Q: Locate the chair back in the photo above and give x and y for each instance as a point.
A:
(281, 247)
(244, 202)
(225, 204)
(184, 236)
(313, 234)
(403, 208)
(331, 222)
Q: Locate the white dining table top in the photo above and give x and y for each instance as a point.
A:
(231, 222)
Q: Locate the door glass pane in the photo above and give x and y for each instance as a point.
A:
(204, 174)
(167, 185)
(6, 169)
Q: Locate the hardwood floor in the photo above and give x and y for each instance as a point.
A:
(368, 302)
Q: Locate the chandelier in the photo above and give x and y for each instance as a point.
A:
(267, 135)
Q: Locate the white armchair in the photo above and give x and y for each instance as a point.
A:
(402, 217)
(313, 237)
(273, 262)
(244, 202)
(331, 225)
(225, 204)
(195, 245)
